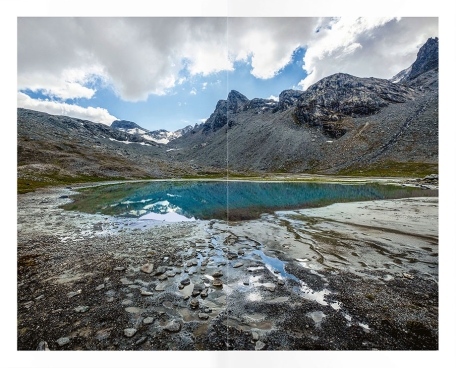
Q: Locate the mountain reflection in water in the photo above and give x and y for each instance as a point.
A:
(223, 200)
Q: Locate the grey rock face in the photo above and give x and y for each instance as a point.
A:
(333, 101)
(427, 58)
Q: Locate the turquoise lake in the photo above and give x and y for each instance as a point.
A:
(190, 200)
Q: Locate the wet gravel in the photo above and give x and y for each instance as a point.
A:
(81, 287)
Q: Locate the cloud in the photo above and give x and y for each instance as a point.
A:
(365, 47)
(139, 56)
(272, 97)
(95, 114)
(193, 91)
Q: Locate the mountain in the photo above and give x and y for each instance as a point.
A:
(161, 136)
(55, 149)
(340, 124)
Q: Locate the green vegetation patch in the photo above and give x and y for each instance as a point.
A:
(394, 169)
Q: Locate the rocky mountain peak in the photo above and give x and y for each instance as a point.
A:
(426, 59)
(288, 98)
(236, 101)
(125, 124)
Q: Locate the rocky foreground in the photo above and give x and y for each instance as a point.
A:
(353, 276)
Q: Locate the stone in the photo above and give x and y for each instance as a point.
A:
(148, 320)
(160, 270)
(280, 282)
(238, 264)
(217, 274)
(170, 273)
(141, 340)
(260, 345)
(126, 281)
(73, 293)
(407, 276)
(162, 277)
(119, 268)
(63, 341)
(270, 287)
(160, 287)
(146, 293)
(194, 303)
(185, 281)
(231, 255)
(241, 252)
(82, 309)
(129, 332)
(43, 345)
(204, 293)
(203, 316)
(255, 335)
(173, 326)
(127, 302)
(197, 289)
(217, 283)
(147, 268)
(99, 287)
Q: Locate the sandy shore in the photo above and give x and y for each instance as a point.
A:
(356, 276)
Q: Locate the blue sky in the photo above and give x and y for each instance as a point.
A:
(167, 73)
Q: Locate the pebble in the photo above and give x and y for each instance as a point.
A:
(73, 293)
(39, 297)
(63, 341)
(194, 303)
(173, 326)
(239, 264)
(110, 299)
(160, 270)
(204, 293)
(148, 320)
(255, 335)
(162, 277)
(99, 287)
(217, 283)
(160, 287)
(82, 309)
(28, 304)
(129, 332)
(281, 282)
(185, 281)
(408, 276)
(170, 273)
(127, 302)
(217, 274)
(271, 287)
(119, 268)
(147, 268)
(141, 340)
(126, 281)
(146, 293)
(203, 316)
(260, 345)
(43, 345)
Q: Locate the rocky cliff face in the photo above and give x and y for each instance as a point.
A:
(332, 101)
(427, 58)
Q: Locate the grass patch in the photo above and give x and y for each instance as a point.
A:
(393, 169)
(30, 185)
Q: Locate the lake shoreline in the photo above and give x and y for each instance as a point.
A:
(80, 283)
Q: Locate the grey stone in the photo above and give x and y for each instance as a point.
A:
(147, 268)
(82, 309)
(63, 341)
(260, 345)
(146, 293)
(127, 302)
(194, 303)
(238, 264)
(217, 283)
(160, 287)
(129, 332)
(160, 270)
(203, 316)
(255, 335)
(148, 320)
(173, 326)
(119, 268)
(99, 287)
(217, 274)
(43, 345)
(73, 293)
(185, 281)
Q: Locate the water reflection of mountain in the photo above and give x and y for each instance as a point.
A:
(241, 200)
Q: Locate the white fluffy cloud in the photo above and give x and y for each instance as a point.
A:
(143, 56)
(95, 114)
(365, 47)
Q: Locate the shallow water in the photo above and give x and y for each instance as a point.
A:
(173, 201)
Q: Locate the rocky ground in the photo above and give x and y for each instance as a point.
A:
(353, 276)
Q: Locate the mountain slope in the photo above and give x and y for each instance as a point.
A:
(341, 124)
